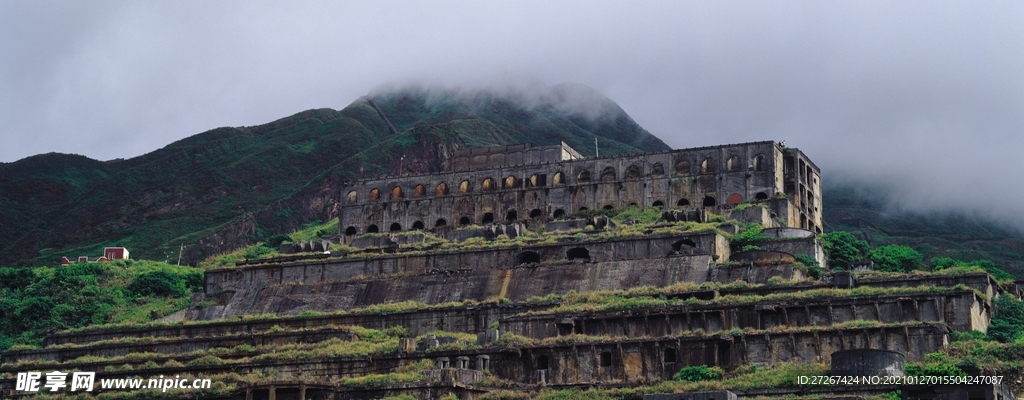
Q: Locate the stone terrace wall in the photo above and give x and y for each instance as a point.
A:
(338, 284)
(960, 310)
(516, 284)
(631, 361)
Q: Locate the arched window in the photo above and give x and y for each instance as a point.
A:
(396, 192)
(608, 174)
(633, 172)
(511, 215)
(465, 187)
(657, 169)
(683, 202)
(733, 164)
(609, 207)
(351, 231)
(395, 227)
(708, 201)
(734, 199)
(353, 197)
(658, 203)
(559, 179)
(442, 189)
(488, 218)
(682, 167)
(510, 182)
(559, 213)
(488, 184)
(707, 166)
(418, 191)
(374, 195)
(584, 176)
(577, 253)
(536, 213)
(440, 222)
(372, 229)
(759, 163)
(761, 196)
(465, 221)
(418, 225)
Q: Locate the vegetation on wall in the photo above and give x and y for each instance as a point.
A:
(37, 301)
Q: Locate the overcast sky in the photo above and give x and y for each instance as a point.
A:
(926, 98)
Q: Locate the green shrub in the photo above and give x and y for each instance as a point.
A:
(277, 240)
(752, 236)
(158, 283)
(813, 268)
(1007, 324)
(896, 258)
(843, 247)
(697, 373)
(943, 263)
(934, 370)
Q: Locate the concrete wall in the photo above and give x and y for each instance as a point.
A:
(960, 310)
(338, 284)
(517, 284)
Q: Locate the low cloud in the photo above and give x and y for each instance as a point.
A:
(921, 98)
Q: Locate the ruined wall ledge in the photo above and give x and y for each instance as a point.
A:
(496, 311)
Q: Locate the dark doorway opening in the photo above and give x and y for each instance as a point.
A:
(577, 253)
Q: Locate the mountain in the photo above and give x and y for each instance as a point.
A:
(867, 213)
(229, 187)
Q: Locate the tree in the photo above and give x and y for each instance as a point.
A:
(843, 247)
(896, 258)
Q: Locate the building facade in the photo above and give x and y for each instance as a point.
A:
(507, 183)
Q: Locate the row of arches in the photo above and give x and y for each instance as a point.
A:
(608, 174)
(513, 215)
(732, 164)
(442, 189)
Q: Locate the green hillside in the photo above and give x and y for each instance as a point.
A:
(229, 187)
(957, 236)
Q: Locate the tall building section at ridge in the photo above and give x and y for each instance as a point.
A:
(524, 182)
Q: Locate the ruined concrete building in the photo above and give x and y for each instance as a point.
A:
(511, 183)
(487, 278)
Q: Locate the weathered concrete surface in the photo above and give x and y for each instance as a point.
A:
(809, 246)
(961, 311)
(338, 269)
(753, 274)
(867, 362)
(338, 284)
(517, 284)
